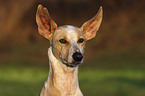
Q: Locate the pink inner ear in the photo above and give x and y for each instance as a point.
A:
(92, 27)
(45, 22)
(92, 24)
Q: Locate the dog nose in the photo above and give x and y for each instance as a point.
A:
(77, 56)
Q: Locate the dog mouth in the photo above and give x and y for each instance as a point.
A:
(72, 64)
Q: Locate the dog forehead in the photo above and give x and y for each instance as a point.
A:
(72, 32)
(68, 31)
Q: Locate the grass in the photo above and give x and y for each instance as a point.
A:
(21, 81)
(122, 82)
(28, 81)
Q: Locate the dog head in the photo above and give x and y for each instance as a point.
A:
(68, 42)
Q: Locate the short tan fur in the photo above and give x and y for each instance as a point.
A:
(67, 44)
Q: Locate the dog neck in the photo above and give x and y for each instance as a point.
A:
(62, 78)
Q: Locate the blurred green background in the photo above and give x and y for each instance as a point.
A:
(114, 62)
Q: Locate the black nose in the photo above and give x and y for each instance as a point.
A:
(77, 56)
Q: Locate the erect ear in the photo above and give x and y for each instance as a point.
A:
(46, 26)
(91, 27)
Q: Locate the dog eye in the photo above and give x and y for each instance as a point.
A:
(62, 41)
(81, 40)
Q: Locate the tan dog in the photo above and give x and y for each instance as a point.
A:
(67, 44)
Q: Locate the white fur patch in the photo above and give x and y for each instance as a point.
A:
(71, 34)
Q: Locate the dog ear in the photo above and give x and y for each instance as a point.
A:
(91, 27)
(46, 26)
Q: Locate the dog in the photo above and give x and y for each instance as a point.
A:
(67, 44)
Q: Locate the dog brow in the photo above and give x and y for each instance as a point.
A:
(71, 33)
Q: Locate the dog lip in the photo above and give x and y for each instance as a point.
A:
(73, 64)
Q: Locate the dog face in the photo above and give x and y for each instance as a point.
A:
(68, 42)
(68, 45)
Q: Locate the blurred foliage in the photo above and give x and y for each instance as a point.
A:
(122, 22)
